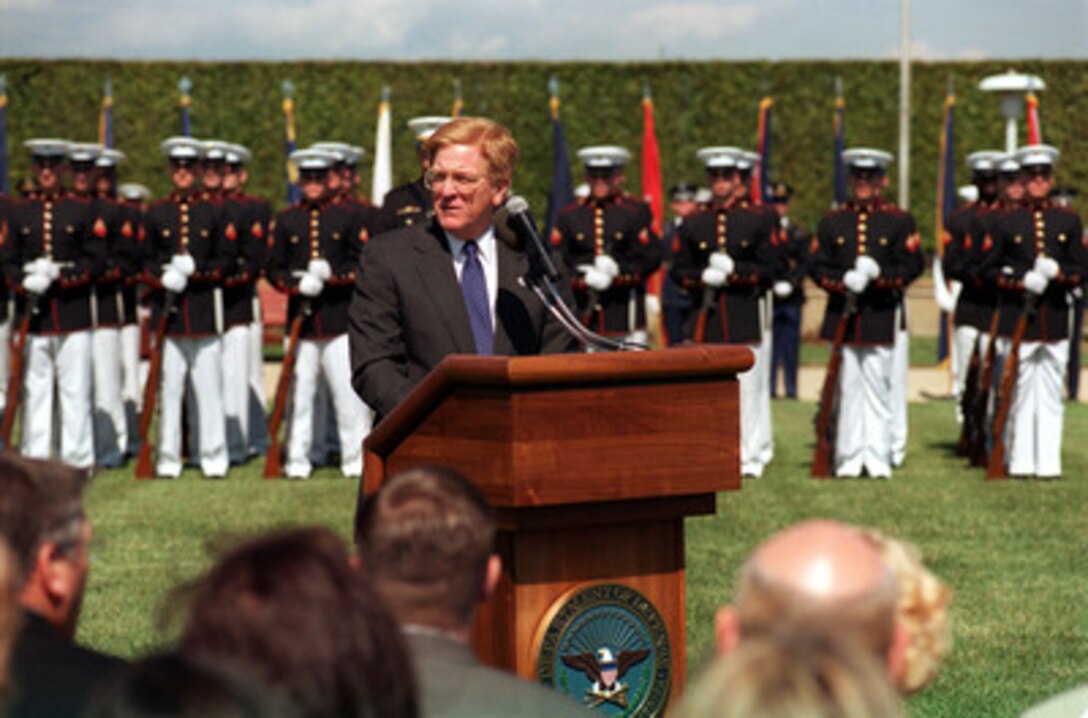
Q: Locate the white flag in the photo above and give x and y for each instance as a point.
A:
(383, 153)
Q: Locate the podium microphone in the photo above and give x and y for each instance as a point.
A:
(519, 232)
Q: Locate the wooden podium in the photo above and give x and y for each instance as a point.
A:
(591, 461)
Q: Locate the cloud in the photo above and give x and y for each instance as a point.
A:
(924, 51)
(696, 20)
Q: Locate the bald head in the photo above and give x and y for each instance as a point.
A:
(822, 560)
(818, 578)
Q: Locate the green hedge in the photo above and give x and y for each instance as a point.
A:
(697, 103)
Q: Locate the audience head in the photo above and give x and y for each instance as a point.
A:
(176, 685)
(427, 541)
(43, 522)
(780, 675)
(9, 614)
(921, 611)
(290, 608)
(820, 578)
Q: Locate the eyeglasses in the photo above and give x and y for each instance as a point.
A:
(722, 172)
(461, 181)
(183, 164)
(1037, 172)
(602, 173)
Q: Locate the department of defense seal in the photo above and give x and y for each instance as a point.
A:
(608, 648)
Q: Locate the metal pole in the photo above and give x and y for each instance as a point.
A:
(904, 104)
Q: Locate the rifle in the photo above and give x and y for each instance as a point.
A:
(976, 450)
(971, 388)
(996, 467)
(273, 466)
(710, 295)
(15, 369)
(144, 469)
(825, 438)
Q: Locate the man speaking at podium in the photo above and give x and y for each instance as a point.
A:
(450, 286)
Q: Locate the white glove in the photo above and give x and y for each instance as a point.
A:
(183, 264)
(319, 268)
(43, 265)
(596, 279)
(782, 289)
(606, 264)
(855, 281)
(714, 277)
(173, 280)
(867, 266)
(310, 286)
(37, 282)
(1047, 267)
(1035, 282)
(722, 261)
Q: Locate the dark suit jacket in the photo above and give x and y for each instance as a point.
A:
(408, 313)
(51, 676)
(453, 684)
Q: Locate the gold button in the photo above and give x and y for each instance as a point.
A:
(862, 217)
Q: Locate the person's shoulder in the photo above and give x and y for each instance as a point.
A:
(400, 240)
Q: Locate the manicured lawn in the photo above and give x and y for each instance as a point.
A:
(1014, 551)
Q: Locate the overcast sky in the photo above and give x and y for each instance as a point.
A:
(539, 29)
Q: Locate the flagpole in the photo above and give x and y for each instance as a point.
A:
(185, 86)
(3, 138)
(382, 178)
(904, 104)
(105, 122)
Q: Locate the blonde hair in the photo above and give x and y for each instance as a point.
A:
(921, 608)
(793, 675)
(499, 149)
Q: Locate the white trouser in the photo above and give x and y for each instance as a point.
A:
(329, 358)
(202, 358)
(765, 432)
(751, 407)
(110, 424)
(325, 436)
(59, 363)
(258, 402)
(964, 340)
(131, 384)
(236, 391)
(863, 433)
(900, 376)
(5, 342)
(1033, 433)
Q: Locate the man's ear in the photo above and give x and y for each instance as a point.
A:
(491, 577)
(897, 655)
(726, 629)
(53, 573)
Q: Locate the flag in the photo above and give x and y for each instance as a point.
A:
(761, 173)
(652, 191)
(382, 179)
(946, 204)
(839, 197)
(561, 191)
(105, 118)
(294, 194)
(458, 103)
(185, 85)
(3, 135)
(1035, 130)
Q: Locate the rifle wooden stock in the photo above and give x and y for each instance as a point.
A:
(15, 370)
(825, 440)
(710, 294)
(144, 469)
(995, 468)
(976, 451)
(593, 305)
(273, 463)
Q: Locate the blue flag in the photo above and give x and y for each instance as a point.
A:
(185, 86)
(561, 192)
(290, 143)
(3, 135)
(946, 205)
(839, 197)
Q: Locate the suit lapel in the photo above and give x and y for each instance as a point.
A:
(512, 267)
(437, 276)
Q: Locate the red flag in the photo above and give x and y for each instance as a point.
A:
(1035, 130)
(761, 173)
(652, 190)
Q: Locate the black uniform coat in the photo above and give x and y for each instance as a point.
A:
(408, 313)
(743, 234)
(405, 206)
(885, 233)
(620, 227)
(245, 224)
(327, 230)
(1018, 237)
(61, 228)
(195, 226)
(964, 250)
(113, 225)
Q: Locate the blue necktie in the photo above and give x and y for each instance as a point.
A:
(474, 289)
